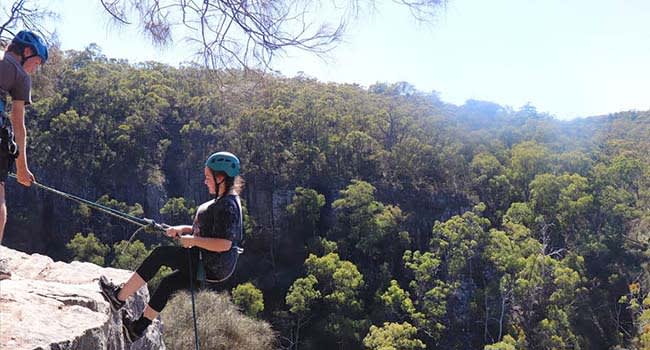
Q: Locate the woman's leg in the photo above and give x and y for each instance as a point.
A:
(172, 283)
(169, 285)
(172, 256)
(176, 258)
(131, 286)
(150, 313)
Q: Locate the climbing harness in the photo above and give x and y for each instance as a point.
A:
(6, 131)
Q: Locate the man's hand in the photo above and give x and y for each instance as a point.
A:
(187, 241)
(25, 177)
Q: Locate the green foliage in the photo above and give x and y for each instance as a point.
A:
(639, 305)
(129, 256)
(532, 276)
(459, 239)
(366, 227)
(529, 159)
(508, 343)
(339, 280)
(519, 213)
(305, 208)
(393, 336)
(249, 298)
(491, 184)
(337, 283)
(134, 210)
(563, 202)
(328, 246)
(177, 210)
(302, 295)
(384, 180)
(397, 300)
(87, 248)
(304, 215)
(430, 293)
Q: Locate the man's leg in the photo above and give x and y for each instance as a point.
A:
(5, 165)
(3, 210)
(4, 269)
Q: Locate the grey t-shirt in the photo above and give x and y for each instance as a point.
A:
(14, 80)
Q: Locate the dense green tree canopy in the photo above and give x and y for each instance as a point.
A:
(377, 217)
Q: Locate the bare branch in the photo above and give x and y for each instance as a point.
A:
(22, 16)
(422, 10)
(112, 9)
(249, 33)
(13, 15)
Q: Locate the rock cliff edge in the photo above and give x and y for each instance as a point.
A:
(58, 306)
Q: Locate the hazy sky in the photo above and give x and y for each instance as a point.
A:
(569, 58)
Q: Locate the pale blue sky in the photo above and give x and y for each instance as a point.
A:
(570, 58)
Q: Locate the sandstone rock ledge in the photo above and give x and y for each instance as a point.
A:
(58, 306)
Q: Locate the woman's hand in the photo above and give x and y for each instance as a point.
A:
(187, 241)
(173, 231)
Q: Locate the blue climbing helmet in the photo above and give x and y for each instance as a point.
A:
(25, 38)
(224, 161)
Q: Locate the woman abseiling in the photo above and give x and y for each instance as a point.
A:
(212, 241)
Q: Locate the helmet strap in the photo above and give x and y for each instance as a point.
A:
(216, 184)
(24, 59)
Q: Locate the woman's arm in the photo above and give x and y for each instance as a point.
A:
(208, 243)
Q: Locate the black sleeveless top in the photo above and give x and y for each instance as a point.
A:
(219, 218)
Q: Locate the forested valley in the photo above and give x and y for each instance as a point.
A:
(377, 217)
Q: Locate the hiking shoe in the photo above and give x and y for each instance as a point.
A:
(109, 290)
(4, 269)
(133, 330)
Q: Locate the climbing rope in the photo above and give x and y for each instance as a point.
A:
(196, 332)
(144, 223)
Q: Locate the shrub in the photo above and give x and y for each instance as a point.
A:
(221, 325)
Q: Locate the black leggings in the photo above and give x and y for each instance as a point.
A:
(178, 259)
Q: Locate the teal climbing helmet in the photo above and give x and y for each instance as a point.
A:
(224, 161)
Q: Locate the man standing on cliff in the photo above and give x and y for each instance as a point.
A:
(26, 52)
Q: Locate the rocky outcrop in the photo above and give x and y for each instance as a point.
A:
(58, 306)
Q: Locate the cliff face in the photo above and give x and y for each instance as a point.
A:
(56, 305)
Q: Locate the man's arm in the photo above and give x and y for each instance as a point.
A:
(23, 175)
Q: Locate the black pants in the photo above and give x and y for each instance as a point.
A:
(178, 259)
